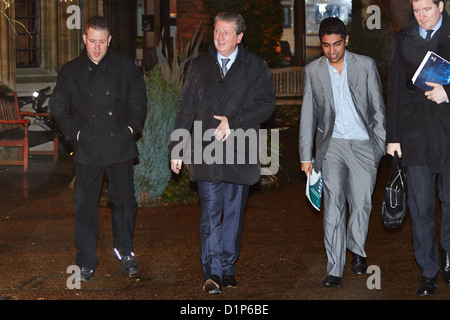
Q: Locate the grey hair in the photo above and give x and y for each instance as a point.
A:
(232, 17)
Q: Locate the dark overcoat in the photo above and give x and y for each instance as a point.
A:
(245, 96)
(420, 125)
(100, 102)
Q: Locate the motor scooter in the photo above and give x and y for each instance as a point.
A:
(46, 122)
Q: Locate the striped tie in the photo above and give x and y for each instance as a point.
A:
(224, 66)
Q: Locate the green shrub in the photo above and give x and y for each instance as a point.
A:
(153, 173)
(164, 83)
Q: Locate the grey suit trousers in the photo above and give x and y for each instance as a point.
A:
(349, 173)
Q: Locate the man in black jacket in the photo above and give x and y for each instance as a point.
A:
(100, 103)
(226, 89)
(418, 127)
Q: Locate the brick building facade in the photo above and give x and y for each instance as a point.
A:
(189, 14)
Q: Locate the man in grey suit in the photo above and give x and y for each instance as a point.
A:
(343, 113)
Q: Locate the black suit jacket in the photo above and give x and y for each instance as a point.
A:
(100, 102)
(422, 127)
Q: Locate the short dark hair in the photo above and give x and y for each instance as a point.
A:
(332, 25)
(98, 23)
(232, 17)
(436, 2)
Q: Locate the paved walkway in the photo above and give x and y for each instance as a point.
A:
(282, 255)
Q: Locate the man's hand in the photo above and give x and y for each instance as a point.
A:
(307, 167)
(175, 165)
(222, 131)
(437, 94)
(393, 147)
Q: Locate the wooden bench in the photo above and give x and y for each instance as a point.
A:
(288, 82)
(14, 133)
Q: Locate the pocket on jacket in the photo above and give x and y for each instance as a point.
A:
(86, 144)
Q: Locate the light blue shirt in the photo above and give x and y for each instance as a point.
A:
(347, 124)
(232, 57)
(423, 32)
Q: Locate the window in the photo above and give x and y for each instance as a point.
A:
(28, 43)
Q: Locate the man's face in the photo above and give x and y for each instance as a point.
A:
(427, 13)
(96, 42)
(225, 37)
(333, 46)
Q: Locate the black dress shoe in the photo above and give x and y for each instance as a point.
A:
(445, 266)
(212, 285)
(427, 287)
(229, 282)
(359, 264)
(331, 282)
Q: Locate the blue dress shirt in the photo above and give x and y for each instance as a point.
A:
(232, 57)
(423, 32)
(347, 124)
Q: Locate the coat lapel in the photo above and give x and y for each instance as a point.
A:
(352, 76)
(324, 76)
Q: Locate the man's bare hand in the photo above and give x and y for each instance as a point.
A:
(222, 131)
(438, 93)
(307, 167)
(393, 147)
(175, 165)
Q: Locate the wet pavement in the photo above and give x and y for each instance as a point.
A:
(282, 256)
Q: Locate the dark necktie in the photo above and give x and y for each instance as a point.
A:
(224, 66)
(428, 37)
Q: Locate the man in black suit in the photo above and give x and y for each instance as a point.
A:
(227, 90)
(418, 127)
(100, 103)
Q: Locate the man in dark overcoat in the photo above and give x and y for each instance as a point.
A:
(228, 93)
(100, 103)
(418, 127)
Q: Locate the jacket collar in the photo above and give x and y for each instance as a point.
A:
(352, 75)
(90, 65)
(412, 29)
(212, 51)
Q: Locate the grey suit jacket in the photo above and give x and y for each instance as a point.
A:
(318, 111)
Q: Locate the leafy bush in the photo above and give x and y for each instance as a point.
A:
(164, 83)
(153, 173)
